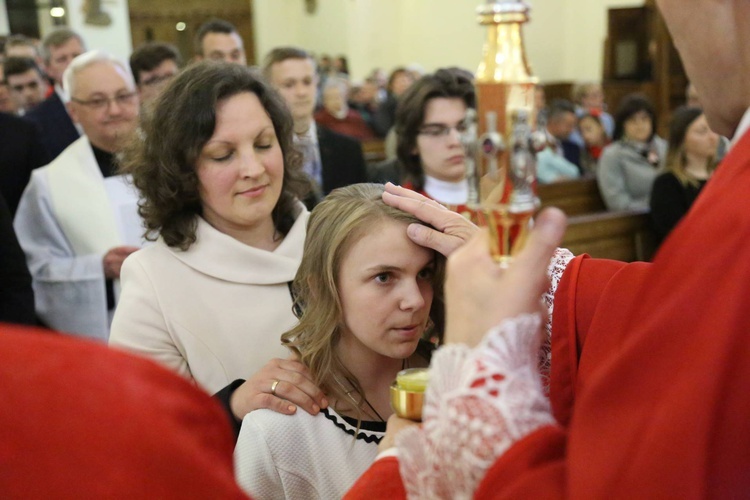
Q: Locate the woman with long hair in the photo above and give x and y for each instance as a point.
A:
(691, 160)
(220, 184)
(366, 297)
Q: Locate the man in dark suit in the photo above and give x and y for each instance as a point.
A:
(561, 122)
(332, 160)
(56, 128)
(16, 294)
(20, 153)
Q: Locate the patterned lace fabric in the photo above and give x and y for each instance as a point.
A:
(478, 403)
(555, 270)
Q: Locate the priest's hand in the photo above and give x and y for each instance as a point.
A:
(479, 294)
(113, 260)
(451, 229)
(396, 424)
(281, 385)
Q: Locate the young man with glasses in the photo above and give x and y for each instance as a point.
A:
(153, 64)
(77, 219)
(430, 120)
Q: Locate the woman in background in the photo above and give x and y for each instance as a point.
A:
(364, 293)
(690, 163)
(594, 140)
(628, 166)
(399, 81)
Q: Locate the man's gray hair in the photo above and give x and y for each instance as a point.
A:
(87, 59)
(57, 38)
(337, 82)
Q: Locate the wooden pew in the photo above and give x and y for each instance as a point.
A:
(626, 236)
(574, 197)
(374, 150)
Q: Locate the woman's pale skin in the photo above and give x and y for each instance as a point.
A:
(443, 157)
(592, 131)
(296, 388)
(475, 285)
(700, 145)
(638, 127)
(385, 288)
(240, 172)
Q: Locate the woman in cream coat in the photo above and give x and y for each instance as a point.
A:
(220, 183)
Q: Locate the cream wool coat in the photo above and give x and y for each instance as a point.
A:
(214, 313)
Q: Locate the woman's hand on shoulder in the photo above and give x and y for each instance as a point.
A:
(282, 385)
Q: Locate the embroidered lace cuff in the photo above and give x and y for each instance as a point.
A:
(478, 403)
(557, 265)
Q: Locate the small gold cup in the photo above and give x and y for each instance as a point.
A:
(407, 393)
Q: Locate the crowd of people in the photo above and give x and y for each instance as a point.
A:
(221, 222)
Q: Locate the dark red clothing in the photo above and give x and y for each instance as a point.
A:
(650, 369)
(80, 420)
(352, 125)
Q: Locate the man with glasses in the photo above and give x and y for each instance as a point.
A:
(77, 220)
(153, 64)
(430, 120)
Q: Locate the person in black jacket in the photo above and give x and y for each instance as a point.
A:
(331, 160)
(20, 153)
(16, 294)
(690, 163)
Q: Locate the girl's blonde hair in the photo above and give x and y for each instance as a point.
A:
(338, 222)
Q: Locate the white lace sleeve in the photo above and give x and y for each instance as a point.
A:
(557, 265)
(478, 403)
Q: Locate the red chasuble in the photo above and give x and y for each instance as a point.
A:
(80, 420)
(650, 369)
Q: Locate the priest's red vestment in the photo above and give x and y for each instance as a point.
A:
(650, 370)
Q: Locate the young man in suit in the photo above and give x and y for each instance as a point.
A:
(153, 64)
(218, 40)
(331, 160)
(55, 125)
(27, 82)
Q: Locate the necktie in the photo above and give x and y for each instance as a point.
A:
(311, 164)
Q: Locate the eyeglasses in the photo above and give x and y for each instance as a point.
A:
(156, 80)
(101, 103)
(441, 130)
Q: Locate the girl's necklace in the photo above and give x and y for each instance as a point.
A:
(404, 364)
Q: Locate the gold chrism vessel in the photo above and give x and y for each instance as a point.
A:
(502, 166)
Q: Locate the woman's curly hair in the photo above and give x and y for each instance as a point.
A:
(162, 157)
